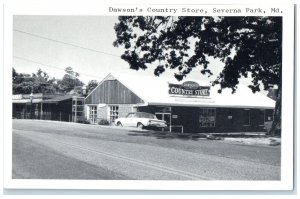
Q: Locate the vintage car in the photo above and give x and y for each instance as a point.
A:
(141, 120)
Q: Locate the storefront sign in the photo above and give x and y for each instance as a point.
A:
(190, 85)
(189, 88)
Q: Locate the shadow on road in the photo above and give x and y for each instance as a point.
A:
(167, 135)
(195, 136)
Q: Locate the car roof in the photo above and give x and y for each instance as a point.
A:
(141, 112)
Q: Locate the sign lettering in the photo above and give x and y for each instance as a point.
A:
(189, 88)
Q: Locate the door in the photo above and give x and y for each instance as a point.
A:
(166, 117)
(130, 121)
(93, 114)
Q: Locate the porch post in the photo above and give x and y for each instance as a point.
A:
(41, 111)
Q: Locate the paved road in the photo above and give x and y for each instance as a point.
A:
(58, 150)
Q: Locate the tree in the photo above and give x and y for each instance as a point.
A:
(43, 83)
(70, 80)
(92, 84)
(14, 73)
(22, 83)
(248, 46)
(39, 82)
(272, 93)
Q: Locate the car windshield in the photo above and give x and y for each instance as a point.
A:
(130, 115)
(145, 115)
(141, 115)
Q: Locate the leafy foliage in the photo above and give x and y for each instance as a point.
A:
(246, 45)
(92, 84)
(103, 122)
(70, 81)
(39, 82)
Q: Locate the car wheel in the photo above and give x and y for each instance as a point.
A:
(119, 124)
(140, 125)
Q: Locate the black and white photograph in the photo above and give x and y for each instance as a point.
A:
(163, 97)
(144, 125)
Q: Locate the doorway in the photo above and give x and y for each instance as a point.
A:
(93, 114)
(166, 117)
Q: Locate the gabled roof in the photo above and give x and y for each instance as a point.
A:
(154, 91)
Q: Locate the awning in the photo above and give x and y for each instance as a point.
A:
(57, 99)
(26, 101)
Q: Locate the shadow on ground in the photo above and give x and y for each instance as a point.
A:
(167, 135)
(194, 136)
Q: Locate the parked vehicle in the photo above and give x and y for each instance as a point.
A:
(140, 120)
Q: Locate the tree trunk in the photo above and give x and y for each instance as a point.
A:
(276, 125)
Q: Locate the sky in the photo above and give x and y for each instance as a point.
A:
(53, 43)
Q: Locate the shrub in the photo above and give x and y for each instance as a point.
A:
(86, 122)
(103, 122)
(83, 121)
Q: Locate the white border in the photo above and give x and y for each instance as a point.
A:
(286, 182)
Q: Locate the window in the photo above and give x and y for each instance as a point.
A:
(80, 102)
(79, 114)
(207, 117)
(145, 115)
(246, 117)
(269, 115)
(93, 114)
(130, 115)
(80, 108)
(77, 108)
(113, 113)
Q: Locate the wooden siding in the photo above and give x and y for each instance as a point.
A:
(112, 92)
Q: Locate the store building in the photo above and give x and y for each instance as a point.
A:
(41, 106)
(194, 106)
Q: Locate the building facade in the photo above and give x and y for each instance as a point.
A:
(41, 106)
(191, 106)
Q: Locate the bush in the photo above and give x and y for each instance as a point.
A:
(84, 121)
(103, 122)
